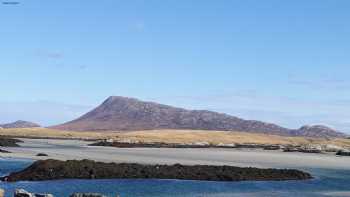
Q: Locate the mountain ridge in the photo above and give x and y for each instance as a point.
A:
(19, 124)
(128, 114)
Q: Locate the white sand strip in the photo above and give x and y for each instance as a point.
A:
(75, 149)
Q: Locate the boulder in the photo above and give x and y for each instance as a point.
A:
(4, 151)
(9, 142)
(343, 153)
(24, 193)
(42, 155)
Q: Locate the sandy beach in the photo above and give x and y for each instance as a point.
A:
(77, 149)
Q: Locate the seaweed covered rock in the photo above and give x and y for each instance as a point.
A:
(343, 153)
(4, 151)
(42, 155)
(9, 142)
(87, 169)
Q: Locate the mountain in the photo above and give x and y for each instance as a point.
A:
(127, 114)
(19, 124)
(317, 131)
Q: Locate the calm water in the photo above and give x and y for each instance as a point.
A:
(327, 183)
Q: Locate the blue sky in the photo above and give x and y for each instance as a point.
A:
(285, 62)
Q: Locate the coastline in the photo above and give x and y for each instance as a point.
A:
(323, 168)
(78, 150)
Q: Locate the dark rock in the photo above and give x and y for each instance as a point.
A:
(149, 145)
(290, 149)
(343, 153)
(4, 151)
(24, 193)
(272, 147)
(41, 155)
(19, 124)
(309, 151)
(87, 169)
(9, 142)
(176, 145)
(301, 149)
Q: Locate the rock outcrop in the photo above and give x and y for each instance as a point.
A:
(343, 153)
(24, 193)
(9, 142)
(87, 169)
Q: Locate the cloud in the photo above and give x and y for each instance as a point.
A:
(82, 67)
(54, 55)
(325, 82)
(50, 54)
(138, 26)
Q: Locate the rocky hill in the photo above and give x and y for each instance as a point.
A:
(316, 131)
(19, 124)
(125, 114)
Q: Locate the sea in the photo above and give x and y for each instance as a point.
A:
(327, 182)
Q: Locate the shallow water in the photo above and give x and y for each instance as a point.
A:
(327, 182)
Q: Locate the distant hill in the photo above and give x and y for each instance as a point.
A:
(316, 131)
(19, 124)
(126, 114)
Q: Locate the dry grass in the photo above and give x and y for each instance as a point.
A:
(51, 133)
(216, 137)
(173, 136)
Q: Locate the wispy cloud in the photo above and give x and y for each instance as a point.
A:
(55, 55)
(83, 67)
(138, 26)
(321, 82)
(50, 54)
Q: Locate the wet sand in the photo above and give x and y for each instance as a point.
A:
(76, 149)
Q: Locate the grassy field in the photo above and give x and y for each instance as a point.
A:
(51, 133)
(174, 136)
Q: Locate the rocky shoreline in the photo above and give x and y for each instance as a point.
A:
(285, 148)
(88, 169)
(178, 145)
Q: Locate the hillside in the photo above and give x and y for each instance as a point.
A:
(129, 114)
(316, 131)
(19, 124)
